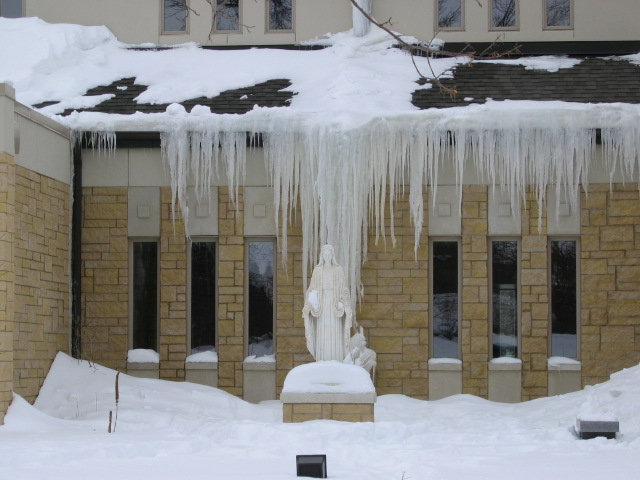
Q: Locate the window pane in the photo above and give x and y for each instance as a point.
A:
(145, 295)
(503, 13)
(175, 16)
(11, 8)
(558, 13)
(564, 342)
(228, 15)
(280, 15)
(449, 13)
(504, 263)
(261, 263)
(445, 299)
(203, 296)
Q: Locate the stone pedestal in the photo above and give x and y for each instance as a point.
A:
(204, 373)
(144, 370)
(328, 391)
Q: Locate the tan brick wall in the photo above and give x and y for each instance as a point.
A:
(173, 291)
(534, 302)
(42, 278)
(345, 412)
(105, 276)
(231, 323)
(7, 276)
(395, 308)
(610, 281)
(475, 291)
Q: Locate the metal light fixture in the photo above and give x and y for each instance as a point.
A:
(314, 466)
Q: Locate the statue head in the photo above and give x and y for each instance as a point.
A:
(327, 256)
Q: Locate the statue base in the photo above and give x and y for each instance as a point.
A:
(328, 391)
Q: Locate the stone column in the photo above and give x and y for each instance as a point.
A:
(231, 279)
(475, 290)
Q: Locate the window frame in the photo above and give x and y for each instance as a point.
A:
(559, 238)
(131, 288)
(518, 241)
(268, 19)
(238, 31)
(436, 18)
(174, 32)
(247, 241)
(545, 16)
(190, 242)
(458, 241)
(513, 28)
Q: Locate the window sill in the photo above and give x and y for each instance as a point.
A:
(445, 365)
(505, 364)
(563, 364)
(201, 365)
(259, 366)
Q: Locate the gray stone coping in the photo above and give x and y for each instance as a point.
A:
(201, 365)
(259, 366)
(291, 397)
(7, 90)
(565, 367)
(143, 366)
(445, 367)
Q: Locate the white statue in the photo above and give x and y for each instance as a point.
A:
(360, 354)
(327, 310)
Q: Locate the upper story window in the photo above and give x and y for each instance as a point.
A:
(504, 14)
(280, 15)
(11, 8)
(174, 16)
(558, 14)
(450, 14)
(227, 16)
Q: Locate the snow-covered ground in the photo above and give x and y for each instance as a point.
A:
(169, 430)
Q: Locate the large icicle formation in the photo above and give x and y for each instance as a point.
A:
(345, 179)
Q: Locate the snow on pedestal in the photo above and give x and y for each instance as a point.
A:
(328, 390)
(143, 363)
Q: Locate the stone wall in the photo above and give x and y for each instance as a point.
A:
(42, 282)
(7, 277)
(610, 281)
(105, 276)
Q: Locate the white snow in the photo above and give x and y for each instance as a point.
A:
(170, 430)
(260, 359)
(558, 361)
(328, 377)
(313, 299)
(444, 361)
(143, 355)
(208, 356)
(506, 360)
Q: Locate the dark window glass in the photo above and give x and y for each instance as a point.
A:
(145, 295)
(261, 266)
(175, 16)
(564, 317)
(227, 15)
(449, 13)
(503, 13)
(280, 15)
(445, 299)
(203, 296)
(11, 8)
(504, 262)
(558, 13)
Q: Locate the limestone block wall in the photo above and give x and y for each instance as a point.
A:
(42, 283)
(7, 276)
(105, 276)
(610, 280)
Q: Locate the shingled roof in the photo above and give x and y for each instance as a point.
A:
(594, 80)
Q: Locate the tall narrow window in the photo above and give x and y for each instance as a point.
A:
(280, 15)
(261, 267)
(227, 15)
(564, 318)
(504, 14)
(450, 14)
(11, 8)
(174, 16)
(145, 295)
(445, 299)
(203, 296)
(504, 274)
(558, 13)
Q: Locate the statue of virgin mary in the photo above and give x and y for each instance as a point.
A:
(327, 310)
